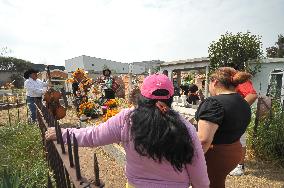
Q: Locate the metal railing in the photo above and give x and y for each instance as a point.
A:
(263, 104)
(64, 163)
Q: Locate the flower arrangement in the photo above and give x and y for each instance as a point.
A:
(92, 104)
(79, 74)
(123, 103)
(110, 113)
(70, 80)
(90, 109)
(86, 84)
(111, 103)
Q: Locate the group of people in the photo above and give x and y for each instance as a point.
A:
(107, 82)
(162, 148)
(35, 88)
(194, 95)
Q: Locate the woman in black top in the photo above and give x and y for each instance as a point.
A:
(222, 119)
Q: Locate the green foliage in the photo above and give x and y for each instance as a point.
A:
(268, 143)
(189, 78)
(272, 52)
(21, 150)
(14, 64)
(278, 50)
(235, 50)
(156, 69)
(10, 180)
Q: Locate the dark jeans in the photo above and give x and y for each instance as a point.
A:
(32, 107)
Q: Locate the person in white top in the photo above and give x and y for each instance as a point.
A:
(34, 90)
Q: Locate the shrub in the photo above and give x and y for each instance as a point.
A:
(268, 143)
(21, 151)
(10, 180)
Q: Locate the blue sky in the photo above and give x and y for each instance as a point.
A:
(130, 30)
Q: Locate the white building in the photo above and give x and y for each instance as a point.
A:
(270, 79)
(95, 65)
(145, 67)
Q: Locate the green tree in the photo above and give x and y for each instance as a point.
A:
(14, 64)
(156, 69)
(278, 50)
(235, 50)
(17, 66)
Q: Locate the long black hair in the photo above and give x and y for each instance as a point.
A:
(159, 135)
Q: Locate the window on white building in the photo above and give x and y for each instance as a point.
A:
(276, 83)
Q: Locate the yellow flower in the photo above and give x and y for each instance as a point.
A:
(70, 80)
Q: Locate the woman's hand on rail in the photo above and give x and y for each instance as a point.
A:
(50, 134)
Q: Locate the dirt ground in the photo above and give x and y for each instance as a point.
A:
(258, 174)
(14, 118)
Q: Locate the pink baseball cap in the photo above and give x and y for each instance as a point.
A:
(154, 82)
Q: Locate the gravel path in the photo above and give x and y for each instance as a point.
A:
(110, 172)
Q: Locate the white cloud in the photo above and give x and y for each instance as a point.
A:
(130, 30)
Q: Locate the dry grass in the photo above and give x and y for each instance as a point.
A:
(4, 117)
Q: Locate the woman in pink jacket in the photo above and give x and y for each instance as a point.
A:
(162, 148)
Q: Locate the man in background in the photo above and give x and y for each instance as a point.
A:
(34, 91)
(165, 72)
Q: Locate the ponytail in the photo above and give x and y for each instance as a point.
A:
(230, 77)
(240, 77)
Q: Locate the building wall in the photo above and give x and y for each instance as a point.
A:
(146, 66)
(5, 77)
(137, 68)
(97, 65)
(74, 63)
(262, 79)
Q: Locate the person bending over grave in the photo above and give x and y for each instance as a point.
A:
(192, 94)
(162, 148)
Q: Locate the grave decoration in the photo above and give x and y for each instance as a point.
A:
(92, 103)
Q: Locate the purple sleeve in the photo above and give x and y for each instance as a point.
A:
(197, 170)
(106, 133)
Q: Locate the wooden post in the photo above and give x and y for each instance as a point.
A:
(129, 81)
(18, 107)
(256, 122)
(170, 75)
(206, 81)
(178, 77)
(9, 115)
